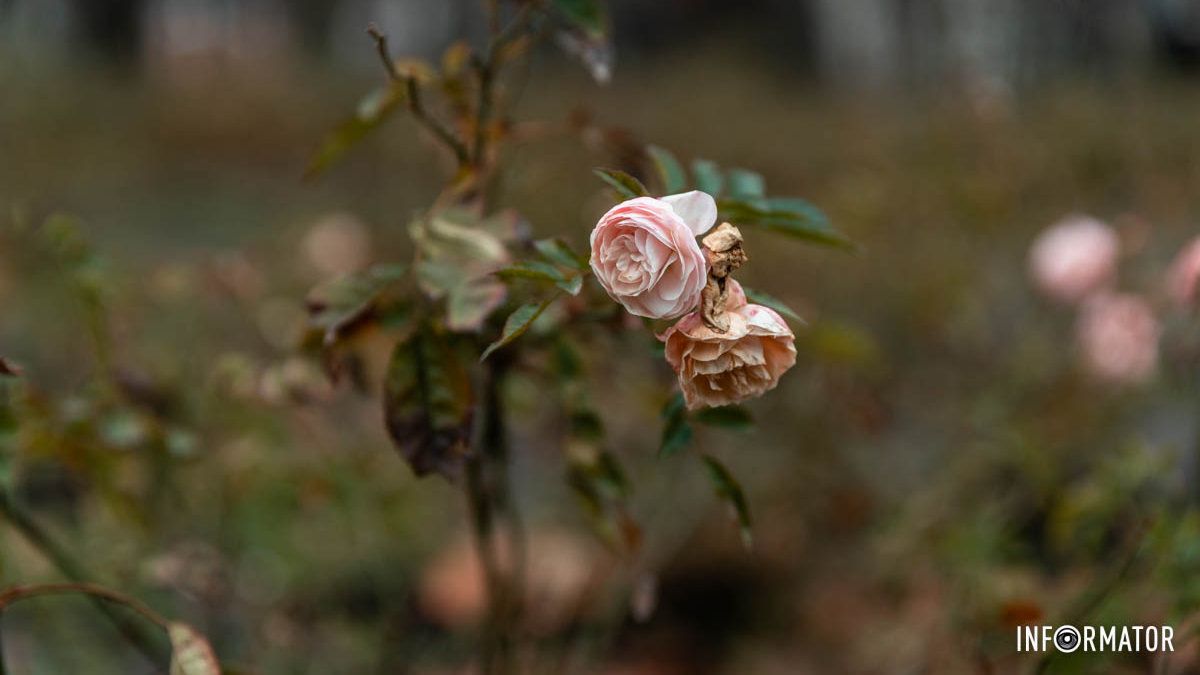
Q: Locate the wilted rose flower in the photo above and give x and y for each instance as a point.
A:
(1183, 278)
(1074, 257)
(644, 253)
(1118, 338)
(717, 369)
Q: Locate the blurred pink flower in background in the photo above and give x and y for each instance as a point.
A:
(1184, 275)
(452, 591)
(1074, 257)
(717, 369)
(1118, 338)
(644, 253)
(337, 244)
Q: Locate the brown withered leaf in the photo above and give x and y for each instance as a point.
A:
(427, 404)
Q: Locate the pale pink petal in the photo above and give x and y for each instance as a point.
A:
(697, 209)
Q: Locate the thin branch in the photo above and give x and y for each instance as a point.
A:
(385, 55)
(413, 92)
(16, 593)
(493, 15)
(486, 69)
(70, 568)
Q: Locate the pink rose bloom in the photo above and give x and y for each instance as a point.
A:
(644, 253)
(1074, 258)
(717, 369)
(1184, 276)
(1118, 338)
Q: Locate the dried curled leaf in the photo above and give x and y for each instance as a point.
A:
(191, 653)
(427, 404)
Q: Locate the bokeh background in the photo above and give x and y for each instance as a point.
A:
(938, 469)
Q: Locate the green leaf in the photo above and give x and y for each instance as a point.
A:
(670, 171)
(560, 252)
(588, 15)
(729, 416)
(427, 404)
(761, 298)
(627, 186)
(337, 307)
(812, 226)
(371, 112)
(572, 284)
(540, 271)
(586, 425)
(531, 269)
(747, 186)
(805, 211)
(708, 177)
(190, 652)
(468, 305)
(677, 432)
(585, 35)
(728, 489)
(517, 323)
(611, 476)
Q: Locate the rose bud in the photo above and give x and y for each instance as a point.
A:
(644, 253)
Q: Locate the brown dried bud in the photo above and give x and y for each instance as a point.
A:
(723, 248)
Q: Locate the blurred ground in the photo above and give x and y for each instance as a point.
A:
(934, 472)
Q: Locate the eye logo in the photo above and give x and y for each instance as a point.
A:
(1066, 639)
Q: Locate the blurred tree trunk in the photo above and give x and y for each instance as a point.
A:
(111, 29)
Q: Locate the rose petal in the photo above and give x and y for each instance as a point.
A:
(697, 209)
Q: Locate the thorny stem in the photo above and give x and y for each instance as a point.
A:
(413, 94)
(70, 568)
